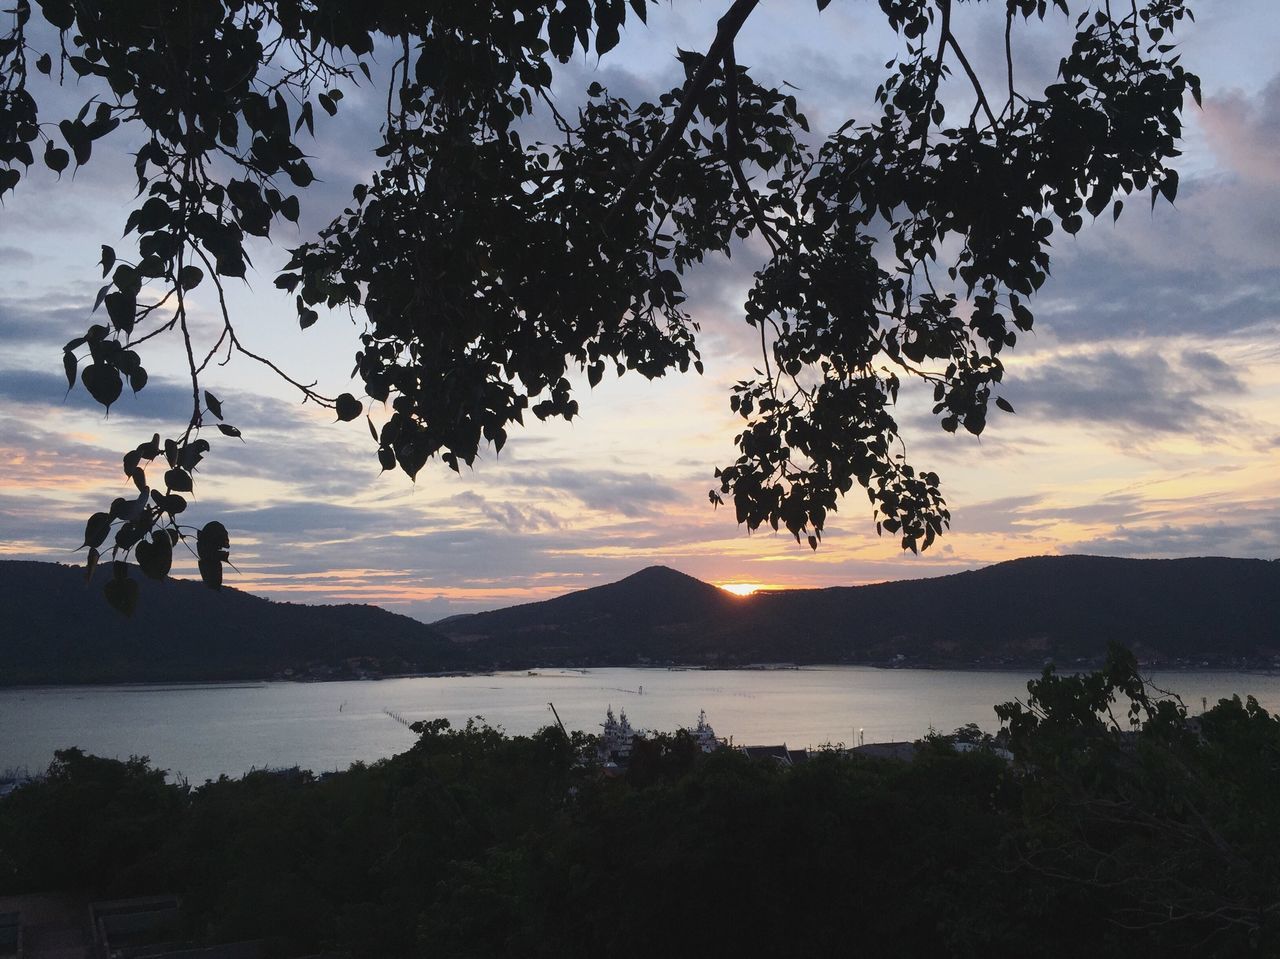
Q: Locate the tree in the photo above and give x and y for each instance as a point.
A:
(488, 268)
(1164, 815)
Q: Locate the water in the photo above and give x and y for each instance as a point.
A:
(201, 731)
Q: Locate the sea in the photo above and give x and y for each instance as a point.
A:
(199, 732)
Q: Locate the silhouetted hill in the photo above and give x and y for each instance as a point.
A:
(1224, 611)
(56, 629)
(658, 611)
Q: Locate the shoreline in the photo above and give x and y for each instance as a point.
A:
(1030, 669)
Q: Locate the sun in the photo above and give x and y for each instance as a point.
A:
(741, 589)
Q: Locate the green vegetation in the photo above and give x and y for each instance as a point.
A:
(1099, 839)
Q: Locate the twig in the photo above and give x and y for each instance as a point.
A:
(727, 28)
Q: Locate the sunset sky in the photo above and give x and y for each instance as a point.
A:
(1148, 399)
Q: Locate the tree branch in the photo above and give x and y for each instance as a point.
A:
(727, 29)
(973, 79)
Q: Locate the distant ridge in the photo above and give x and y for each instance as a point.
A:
(603, 625)
(1021, 612)
(56, 629)
(1180, 612)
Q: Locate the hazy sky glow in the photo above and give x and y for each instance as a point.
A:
(1148, 400)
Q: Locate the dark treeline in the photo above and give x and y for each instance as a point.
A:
(1100, 838)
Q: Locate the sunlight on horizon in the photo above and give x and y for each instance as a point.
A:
(741, 589)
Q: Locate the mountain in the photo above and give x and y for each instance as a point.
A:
(56, 629)
(1223, 611)
(657, 612)
(1226, 612)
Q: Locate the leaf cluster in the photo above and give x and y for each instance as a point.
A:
(492, 270)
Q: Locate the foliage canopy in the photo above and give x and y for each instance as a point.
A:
(489, 266)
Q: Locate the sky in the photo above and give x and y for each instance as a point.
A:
(1148, 398)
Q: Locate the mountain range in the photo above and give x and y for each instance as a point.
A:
(1021, 612)
(1223, 612)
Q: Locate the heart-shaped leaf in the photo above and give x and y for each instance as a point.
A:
(155, 556)
(122, 594)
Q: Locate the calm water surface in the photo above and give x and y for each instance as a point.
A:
(200, 732)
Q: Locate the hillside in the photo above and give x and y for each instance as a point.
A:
(56, 629)
(1224, 612)
(657, 612)
(1221, 611)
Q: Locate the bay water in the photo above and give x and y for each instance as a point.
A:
(199, 732)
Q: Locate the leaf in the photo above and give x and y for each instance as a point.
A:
(97, 530)
(189, 277)
(127, 280)
(155, 556)
(305, 116)
(212, 403)
(69, 366)
(122, 594)
(108, 260)
(213, 541)
(56, 158)
(348, 407)
(91, 564)
(1004, 404)
(128, 535)
(103, 383)
(211, 572)
(77, 136)
(178, 480)
(173, 504)
(607, 38)
(227, 429)
(121, 309)
(44, 63)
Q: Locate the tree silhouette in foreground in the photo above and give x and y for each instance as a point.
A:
(1121, 826)
(488, 266)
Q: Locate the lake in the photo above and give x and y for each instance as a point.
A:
(202, 731)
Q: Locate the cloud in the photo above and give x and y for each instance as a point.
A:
(1258, 539)
(630, 494)
(15, 255)
(513, 518)
(1146, 392)
(1019, 516)
(1107, 294)
(159, 400)
(1245, 131)
(44, 323)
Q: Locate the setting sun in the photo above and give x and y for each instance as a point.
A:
(741, 589)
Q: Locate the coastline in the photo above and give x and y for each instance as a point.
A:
(1025, 668)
